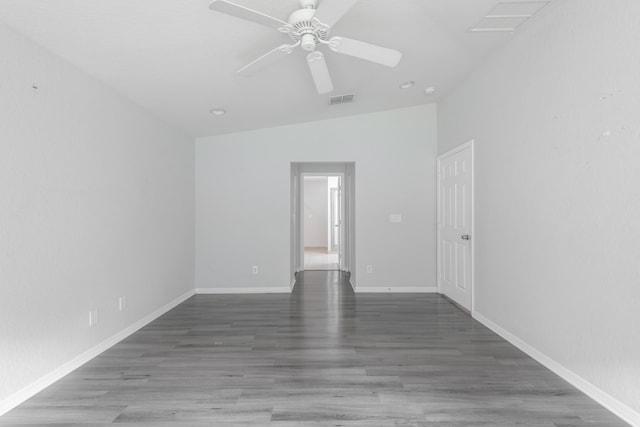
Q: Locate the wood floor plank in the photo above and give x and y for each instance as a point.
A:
(322, 356)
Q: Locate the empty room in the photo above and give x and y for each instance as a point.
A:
(320, 213)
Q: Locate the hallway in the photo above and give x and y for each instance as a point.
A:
(321, 356)
(320, 259)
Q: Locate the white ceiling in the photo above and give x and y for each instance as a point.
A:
(179, 59)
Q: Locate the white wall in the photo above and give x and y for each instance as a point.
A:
(96, 202)
(246, 220)
(556, 119)
(316, 209)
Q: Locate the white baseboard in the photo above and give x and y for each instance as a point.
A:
(397, 289)
(603, 398)
(245, 290)
(68, 367)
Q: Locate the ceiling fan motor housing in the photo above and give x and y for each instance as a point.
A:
(303, 28)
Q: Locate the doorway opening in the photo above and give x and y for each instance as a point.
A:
(322, 217)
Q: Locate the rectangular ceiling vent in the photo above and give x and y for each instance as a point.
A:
(341, 99)
(509, 15)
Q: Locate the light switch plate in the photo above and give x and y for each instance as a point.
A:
(395, 218)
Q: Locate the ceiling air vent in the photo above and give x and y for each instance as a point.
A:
(509, 15)
(341, 99)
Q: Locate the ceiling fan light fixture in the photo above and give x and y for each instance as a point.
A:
(308, 42)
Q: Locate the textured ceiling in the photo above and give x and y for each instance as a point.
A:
(179, 59)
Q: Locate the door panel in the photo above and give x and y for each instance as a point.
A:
(455, 212)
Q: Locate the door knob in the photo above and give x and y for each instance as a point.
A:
(466, 237)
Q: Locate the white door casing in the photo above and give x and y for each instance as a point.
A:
(455, 225)
(341, 214)
(346, 238)
(334, 232)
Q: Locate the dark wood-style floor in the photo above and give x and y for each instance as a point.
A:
(321, 356)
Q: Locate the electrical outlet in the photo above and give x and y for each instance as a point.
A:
(369, 269)
(122, 303)
(93, 317)
(254, 269)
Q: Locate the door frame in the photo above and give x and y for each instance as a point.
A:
(334, 205)
(349, 189)
(469, 145)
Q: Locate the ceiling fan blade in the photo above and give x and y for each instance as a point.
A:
(330, 11)
(367, 51)
(319, 72)
(267, 59)
(242, 12)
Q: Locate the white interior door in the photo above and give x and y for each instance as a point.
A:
(455, 225)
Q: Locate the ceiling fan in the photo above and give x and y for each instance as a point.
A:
(309, 27)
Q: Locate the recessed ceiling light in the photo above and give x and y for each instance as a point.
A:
(218, 111)
(429, 90)
(407, 85)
